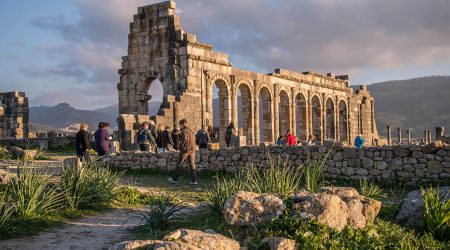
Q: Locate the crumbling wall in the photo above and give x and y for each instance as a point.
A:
(15, 115)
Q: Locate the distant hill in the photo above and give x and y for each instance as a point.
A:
(419, 103)
(63, 115)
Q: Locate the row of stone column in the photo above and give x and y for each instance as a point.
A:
(426, 135)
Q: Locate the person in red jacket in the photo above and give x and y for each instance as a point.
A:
(290, 138)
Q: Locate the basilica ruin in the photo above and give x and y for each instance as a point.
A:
(14, 115)
(306, 103)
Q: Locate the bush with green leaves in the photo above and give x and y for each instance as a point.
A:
(370, 189)
(132, 196)
(33, 192)
(436, 213)
(5, 216)
(313, 175)
(5, 154)
(91, 186)
(161, 213)
(277, 178)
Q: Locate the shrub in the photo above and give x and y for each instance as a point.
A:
(5, 215)
(370, 189)
(132, 196)
(161, 213)
(436, 213)
(5, 154)
(278, 178)
(33, 193)
(90, 186)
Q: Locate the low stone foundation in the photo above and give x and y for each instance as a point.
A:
(39, 143)
(409, 164)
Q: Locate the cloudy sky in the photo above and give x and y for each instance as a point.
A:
(70, 50)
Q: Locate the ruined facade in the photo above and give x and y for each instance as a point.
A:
(14, 115)
(307, 103)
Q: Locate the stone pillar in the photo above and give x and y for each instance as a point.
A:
(234, 102)
(429, 136)
(399, 135)
(276, 114)
(425, 136)
(256, 114)
(439, 132)
(388, 129)
(408, 133)
(293, 114)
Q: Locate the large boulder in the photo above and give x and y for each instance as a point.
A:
(135, 244)
(171, 245)
(72, 162)
(412, 206)
(247, 208)
(199, 240)
(4, 176)
(336, 207)
(433, 147)
(278, 243)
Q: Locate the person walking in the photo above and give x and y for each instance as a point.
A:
(359, 141)
(159, 139)
(102, 139)
(175, 137)
(187, 152)
(82, 143)
(202, 138)
(145, 138)
(212, 133)
(290, 138)
(154, 132)
(166, 140)
(229, 133)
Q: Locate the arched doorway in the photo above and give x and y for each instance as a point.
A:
(330, 128)
(316, 118)
(343, 124)
(265, 115)
(221, 109)
(284, 111)
(155, 97)
(300, 106)
(245, 112)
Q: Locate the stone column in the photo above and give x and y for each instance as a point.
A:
(408, 133)
(323, 112)
(234, 102)
(388, 129)
(399, 135)
(293, 114)
(256, 114)
(429, 136)
(425, 136)
(276, 113)
(439, 132)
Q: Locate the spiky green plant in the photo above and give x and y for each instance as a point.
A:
(33, 192)
(436, 213)
(5, 154)
(313, 173)
(5, 215)
(90, 186)
(161, 213)
(370, 189)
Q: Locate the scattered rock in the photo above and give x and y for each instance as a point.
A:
(16, 152)
(411, 210)
(170, 245)
(433, 147)
(30, 154)
(135, 244)
(201, 240)
(247, 208)
(278, 243)
(4, 176)
(72, 162)
(336, 207)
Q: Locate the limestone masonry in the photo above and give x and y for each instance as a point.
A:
(14, 115)
(307, 103)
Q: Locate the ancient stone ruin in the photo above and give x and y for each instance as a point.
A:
(307, 103)
(14, 115)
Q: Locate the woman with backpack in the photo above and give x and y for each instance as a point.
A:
(202, 138)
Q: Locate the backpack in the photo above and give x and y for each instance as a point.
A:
(143, 137)
(202, 138)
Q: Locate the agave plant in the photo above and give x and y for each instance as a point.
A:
(313, 173)
(34, 193)
(370, 189)
(436, 212)
(5, 214)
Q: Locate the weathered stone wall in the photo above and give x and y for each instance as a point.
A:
(14, 115)
(41, 143)
(409, 164)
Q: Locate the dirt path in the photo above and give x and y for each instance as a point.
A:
(92, 232)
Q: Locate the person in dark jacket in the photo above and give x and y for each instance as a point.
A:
(153, 130)
(175, 137)
(102, 138)
(202, 138)
(166, 140)
(212, 134)
(82, 143)
(187, 152)
(145, 138)
(229, 133)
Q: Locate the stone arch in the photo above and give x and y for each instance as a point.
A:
(224, 108)
(284, 112)
(343, 122)
(301, 115)
(245, 114)
(330, 119)
(265, 114)
(155, 94)
(316, 117)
